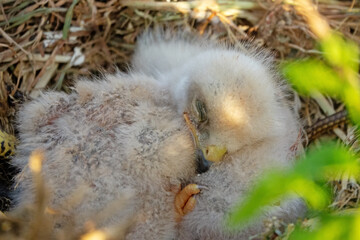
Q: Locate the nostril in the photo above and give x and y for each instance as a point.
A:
(207, 151)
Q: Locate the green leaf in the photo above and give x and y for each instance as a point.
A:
(340, 53)
(313, 75)
(327, 162)
(352, 100)
(68, 18)
(21, 18)
(270, 189)
(330, 227)
(318, 166)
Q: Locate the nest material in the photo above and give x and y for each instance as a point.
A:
(50, 43)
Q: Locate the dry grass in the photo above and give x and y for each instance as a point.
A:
(49, 43)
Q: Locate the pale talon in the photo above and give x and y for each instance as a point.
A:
(184, 202)
(202, 187)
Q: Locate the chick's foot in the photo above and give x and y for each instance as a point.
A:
(184, 200)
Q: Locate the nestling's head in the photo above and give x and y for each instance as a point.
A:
(232, 99)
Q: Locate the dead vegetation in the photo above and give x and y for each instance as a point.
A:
(47, 44)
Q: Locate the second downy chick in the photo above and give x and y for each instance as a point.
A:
(113, 136)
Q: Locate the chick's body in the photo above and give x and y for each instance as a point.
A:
(114, 136)
(246, 112)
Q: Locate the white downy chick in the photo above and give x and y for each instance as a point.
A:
(237, 102)
(113, 136)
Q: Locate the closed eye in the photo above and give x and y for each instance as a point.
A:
(200, 111)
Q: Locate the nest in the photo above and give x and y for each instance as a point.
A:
(47, 44)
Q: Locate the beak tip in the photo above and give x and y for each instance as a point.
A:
(203, 165)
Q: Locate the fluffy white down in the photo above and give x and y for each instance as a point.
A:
(114, 137)
(247, 113)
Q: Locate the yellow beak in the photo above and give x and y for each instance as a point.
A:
(214, 153)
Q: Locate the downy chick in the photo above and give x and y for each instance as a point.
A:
(236, 102)
(115, 136)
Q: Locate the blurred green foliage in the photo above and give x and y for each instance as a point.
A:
(306, 179)
(331, 227)
(336, 75)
